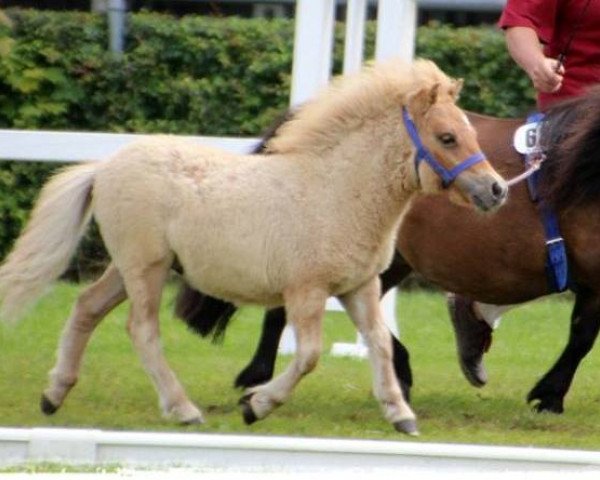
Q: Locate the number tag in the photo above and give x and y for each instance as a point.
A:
(527, 138)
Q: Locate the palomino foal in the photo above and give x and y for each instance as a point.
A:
(243, 228)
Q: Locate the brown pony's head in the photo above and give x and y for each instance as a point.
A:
(448, 154)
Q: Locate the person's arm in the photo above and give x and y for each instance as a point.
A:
(525, 48)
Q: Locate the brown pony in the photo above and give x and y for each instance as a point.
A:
(243, 227)
(496, 259)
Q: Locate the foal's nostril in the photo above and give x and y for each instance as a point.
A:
(497, 190)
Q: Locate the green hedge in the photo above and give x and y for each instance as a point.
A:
(190, 75)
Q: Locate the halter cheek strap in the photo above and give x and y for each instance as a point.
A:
(447, 175)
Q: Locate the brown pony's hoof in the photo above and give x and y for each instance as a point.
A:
(473, 339)
(408, 426)
(47, 407)
(247, 412)
(545, 404)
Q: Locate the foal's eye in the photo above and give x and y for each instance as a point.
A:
(447, 139)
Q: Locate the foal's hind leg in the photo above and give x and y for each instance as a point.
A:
(144, 287)
(91, 307)
(304, 309)
(363, 307)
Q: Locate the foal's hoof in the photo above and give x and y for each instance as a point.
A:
(192, 421)
(247, 412)
(47, 407)
(408, 426)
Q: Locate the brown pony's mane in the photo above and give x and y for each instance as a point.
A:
(349, 100)
(571, 171)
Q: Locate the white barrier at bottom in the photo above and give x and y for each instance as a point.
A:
(287, 455)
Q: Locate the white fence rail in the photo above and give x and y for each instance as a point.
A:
(284, 455)
(51, 146)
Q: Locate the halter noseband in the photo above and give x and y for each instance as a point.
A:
(447, 175)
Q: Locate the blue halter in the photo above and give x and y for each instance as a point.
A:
(447, 175)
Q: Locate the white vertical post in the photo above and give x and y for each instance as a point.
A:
(116, 25)
(396, 28)
(313, 45)
(354, 41)
(359, 348)
(287, 343)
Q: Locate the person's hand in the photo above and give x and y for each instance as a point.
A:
(546, 74)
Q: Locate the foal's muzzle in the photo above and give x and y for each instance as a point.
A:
(487, 192)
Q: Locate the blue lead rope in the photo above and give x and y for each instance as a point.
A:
(557, 264)
(447, 175)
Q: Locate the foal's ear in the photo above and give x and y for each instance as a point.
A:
(456, 88)
(420, 101)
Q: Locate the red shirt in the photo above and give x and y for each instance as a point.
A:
(555, 22)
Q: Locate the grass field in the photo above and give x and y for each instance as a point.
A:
(334, 401)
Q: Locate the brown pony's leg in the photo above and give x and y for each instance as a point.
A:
(549, 393)
(144, 289)
(304, 309)
(261, 367)
(91, 307)
(363, 307)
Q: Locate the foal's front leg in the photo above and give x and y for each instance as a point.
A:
(363, 307)
(304, 310)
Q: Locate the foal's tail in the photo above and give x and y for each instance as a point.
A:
(43, 250)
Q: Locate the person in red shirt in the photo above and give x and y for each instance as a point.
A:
(557, 43)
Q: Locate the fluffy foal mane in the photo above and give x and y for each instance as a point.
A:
(571, 171)
(349, 100)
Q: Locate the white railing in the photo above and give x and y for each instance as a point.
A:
(313, 46)
(54, 146)
(213, 456)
